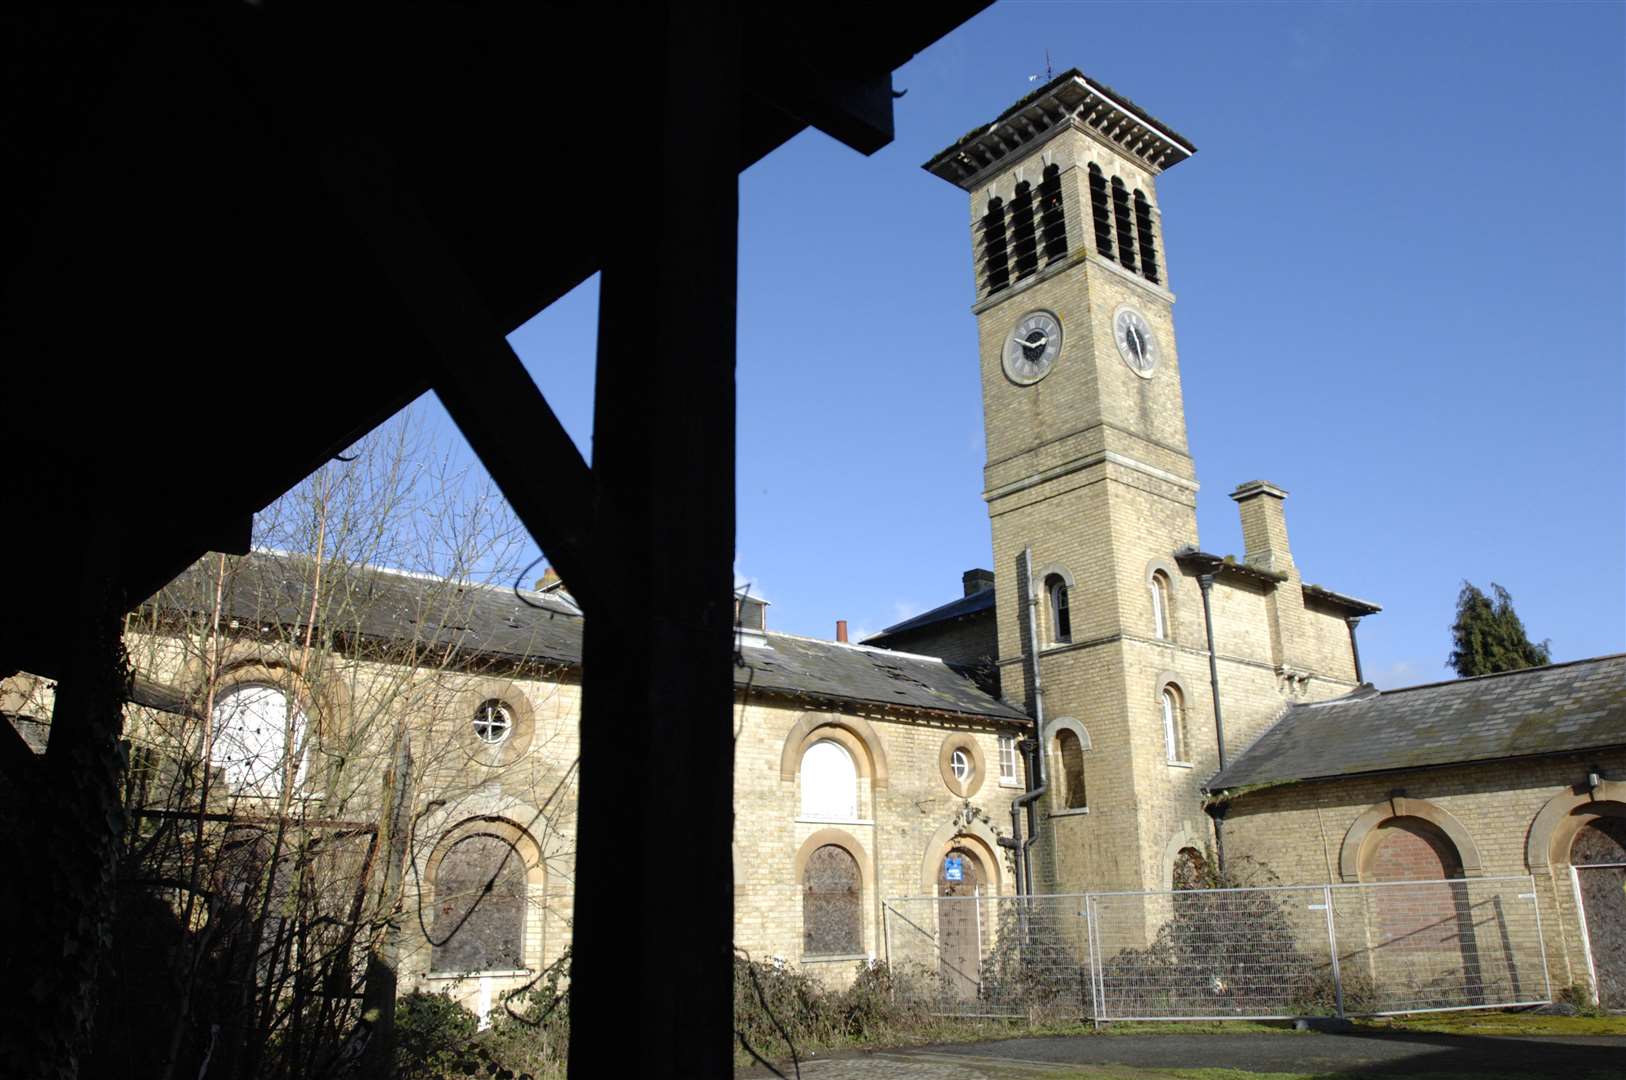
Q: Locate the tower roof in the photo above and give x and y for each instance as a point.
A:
(1070, 97)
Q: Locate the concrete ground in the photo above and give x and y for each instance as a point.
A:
(1142, 1057)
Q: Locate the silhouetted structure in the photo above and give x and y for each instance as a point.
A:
(273, 227)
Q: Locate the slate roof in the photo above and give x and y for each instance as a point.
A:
(274, 589)
(1575, 706)
(976, 603)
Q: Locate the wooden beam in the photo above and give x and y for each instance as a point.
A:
(653, 925)
(476, 373)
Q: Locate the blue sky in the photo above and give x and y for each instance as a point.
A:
(1400, 257)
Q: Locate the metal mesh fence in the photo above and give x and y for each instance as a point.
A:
(1275, 952)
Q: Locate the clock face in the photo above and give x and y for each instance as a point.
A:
(1032, 347)
(1137, 342)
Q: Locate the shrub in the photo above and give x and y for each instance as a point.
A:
(432, 1033)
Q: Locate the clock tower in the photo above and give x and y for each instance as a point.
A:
(1089, 483)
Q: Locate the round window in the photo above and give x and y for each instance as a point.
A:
(960, 764)
(493, 721)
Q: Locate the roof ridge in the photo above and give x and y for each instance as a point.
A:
(1503, 674)
(858, 646)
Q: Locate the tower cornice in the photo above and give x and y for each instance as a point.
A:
(1070, 98)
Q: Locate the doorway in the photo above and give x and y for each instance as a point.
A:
(959, 923)
(1598, 863)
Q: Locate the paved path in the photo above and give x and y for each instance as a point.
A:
(1367, 1053)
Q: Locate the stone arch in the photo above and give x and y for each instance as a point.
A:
(510, 693)
(1154, 567)
(1563, 815)
(1362, 831)
(966, 741)
(975, 837)
(517, 836)
(1183, 837)
(853, 732)
(1064, 798)
(839, 838)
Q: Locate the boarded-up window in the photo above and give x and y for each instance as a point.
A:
(1071, 752)
(1423, 932)
(479, 907)
(830, 904)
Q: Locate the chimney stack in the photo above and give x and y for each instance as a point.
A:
(1264, 526)
(841, 629)
(977, 581)
(550, 576)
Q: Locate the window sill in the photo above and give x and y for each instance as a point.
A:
(1072, 811)
(1180, 765)
(496, 973)
(835, 958)
(1017, 784)
(834, 821)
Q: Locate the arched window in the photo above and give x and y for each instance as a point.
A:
(1061, 616)
(258, 739)
(1124, 223)
(1160, 605)
(1024, 239)
(1053, 220)
(1101, 212)
(479, 907)
(995, 254)
(1148, 239)
(1174, 725)
(831, 904)
(829, 782)
(1070, 751)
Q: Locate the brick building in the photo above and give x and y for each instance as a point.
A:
(1189, 708)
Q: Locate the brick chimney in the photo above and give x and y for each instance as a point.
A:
(841, 629)
(977, 581)
(550, 576)
(1264, 526)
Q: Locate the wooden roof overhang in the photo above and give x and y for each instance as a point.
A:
(193, 318)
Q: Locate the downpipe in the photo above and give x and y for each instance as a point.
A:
(1032, 750)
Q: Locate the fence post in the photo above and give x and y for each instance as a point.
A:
(1096, 988)
(1332, 951)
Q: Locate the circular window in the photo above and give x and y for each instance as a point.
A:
(960, 760)
(492, 722)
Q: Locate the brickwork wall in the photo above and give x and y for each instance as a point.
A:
(969, 641)
(1296, 832)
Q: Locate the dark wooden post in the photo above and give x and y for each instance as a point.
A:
(654, 898)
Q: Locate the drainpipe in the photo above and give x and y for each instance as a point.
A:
(1354, 646)
(1032, 752)
(1206, 581)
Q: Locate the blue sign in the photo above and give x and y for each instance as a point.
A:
(953, 868)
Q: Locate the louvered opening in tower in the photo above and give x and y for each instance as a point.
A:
(1024, 237)
(1053, 222)
(1125, 223)
(1100, 212)
(1147, 238)
(995, 250)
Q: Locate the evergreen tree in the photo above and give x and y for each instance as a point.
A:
(1488, 636)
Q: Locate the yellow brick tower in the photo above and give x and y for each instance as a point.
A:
(1089, 480)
